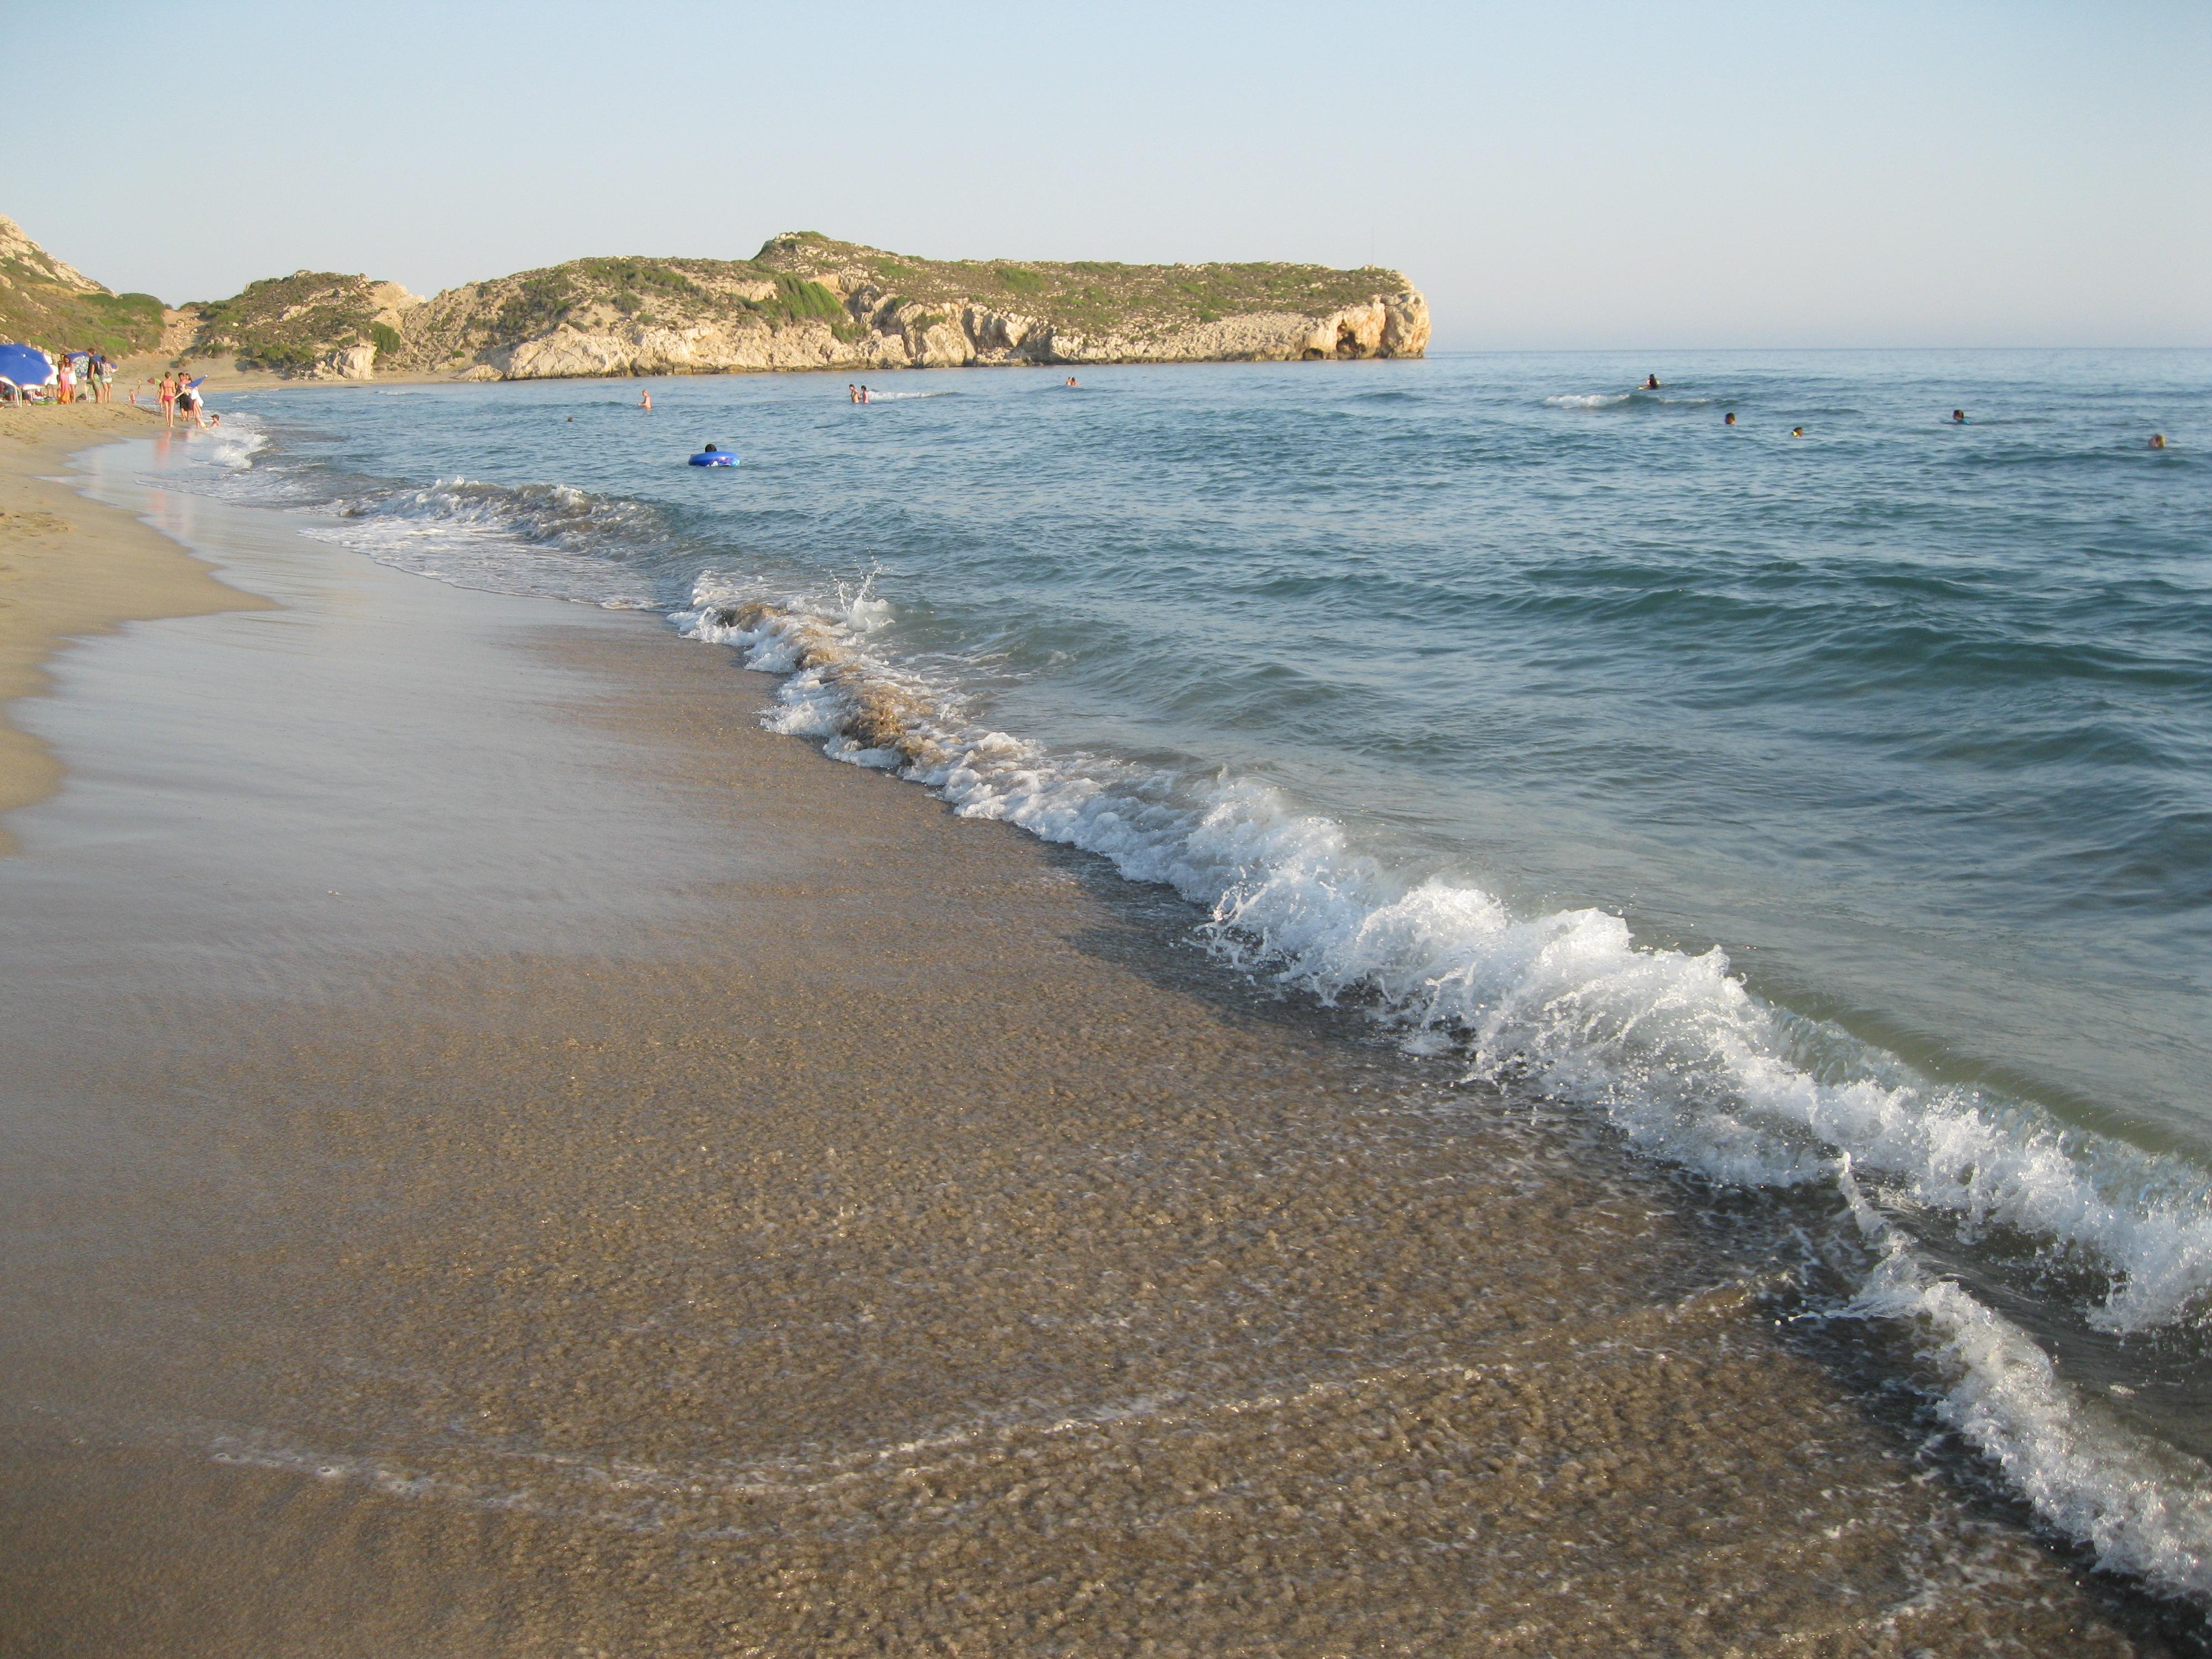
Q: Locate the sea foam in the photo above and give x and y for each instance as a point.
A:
(1670, 1046)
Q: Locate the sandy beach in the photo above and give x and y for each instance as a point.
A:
(503, 1155)
(68, 567)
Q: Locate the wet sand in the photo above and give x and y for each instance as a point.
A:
(503, 1157)
(70, 566)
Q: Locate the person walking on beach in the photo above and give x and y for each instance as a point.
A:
(168, 395)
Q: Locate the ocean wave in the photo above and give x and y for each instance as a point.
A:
(550, 539)
(1587, 400)
(2143, 1508)
(1671, 1047)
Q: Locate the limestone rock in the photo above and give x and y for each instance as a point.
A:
(348, 363)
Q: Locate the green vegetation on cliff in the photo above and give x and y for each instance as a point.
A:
(44, 302)
(1087, 296)
(290, 324)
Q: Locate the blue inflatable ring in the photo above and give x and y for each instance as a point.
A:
(715, 457)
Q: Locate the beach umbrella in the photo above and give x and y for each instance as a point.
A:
(26, 366)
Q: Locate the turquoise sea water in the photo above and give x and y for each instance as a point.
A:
(1831, 813)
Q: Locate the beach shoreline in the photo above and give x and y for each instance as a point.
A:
(71, 568)
(554, 1164)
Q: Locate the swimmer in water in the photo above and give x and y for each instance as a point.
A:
(1796, 431)
(709, 449)
(1729, 419)
(1070, 379)
(1651, 383)
(646, 402)
(852, 392)
(2158, 441)
(1957, 417)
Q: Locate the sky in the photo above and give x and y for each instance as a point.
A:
(1563, 176)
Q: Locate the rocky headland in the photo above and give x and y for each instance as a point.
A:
(804, 301)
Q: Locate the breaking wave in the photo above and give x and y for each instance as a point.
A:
(1672, 1048)
(528, 539)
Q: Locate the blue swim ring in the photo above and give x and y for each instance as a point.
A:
(711, 456)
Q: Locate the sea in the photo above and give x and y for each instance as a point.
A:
(1822, 801)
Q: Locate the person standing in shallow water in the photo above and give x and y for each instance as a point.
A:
(645, 401)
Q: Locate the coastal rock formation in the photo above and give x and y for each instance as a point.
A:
(807, 302)
(46, 303)
(354, 362)
(316, 324)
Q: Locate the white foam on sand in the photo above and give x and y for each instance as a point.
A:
(1671, 1047)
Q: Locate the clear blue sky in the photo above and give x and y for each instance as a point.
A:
(1595, 175)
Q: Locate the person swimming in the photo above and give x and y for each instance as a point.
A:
(1729, 419)
(1957, 417)
(2158, 441)
(710, 450)
(1796, 431)
(1070, 379)
(1651, 383)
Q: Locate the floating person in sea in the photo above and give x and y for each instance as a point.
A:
(711, 456)
(1070, 379)
(1796, 431)
(1957, 417)
(1651, 383)
(1729, 419)
(2158, 441)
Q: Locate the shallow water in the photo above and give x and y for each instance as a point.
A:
(1826, 812)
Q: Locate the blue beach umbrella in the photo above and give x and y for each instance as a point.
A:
(27, 365)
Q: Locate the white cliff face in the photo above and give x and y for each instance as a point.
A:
(899, 336)
(348, 363)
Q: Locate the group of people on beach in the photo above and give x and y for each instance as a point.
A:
(78, 376)
(96, 379)
(180, 401)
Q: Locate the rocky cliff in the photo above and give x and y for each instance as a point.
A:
(805, 301)
(44, 302)
(315, 323)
